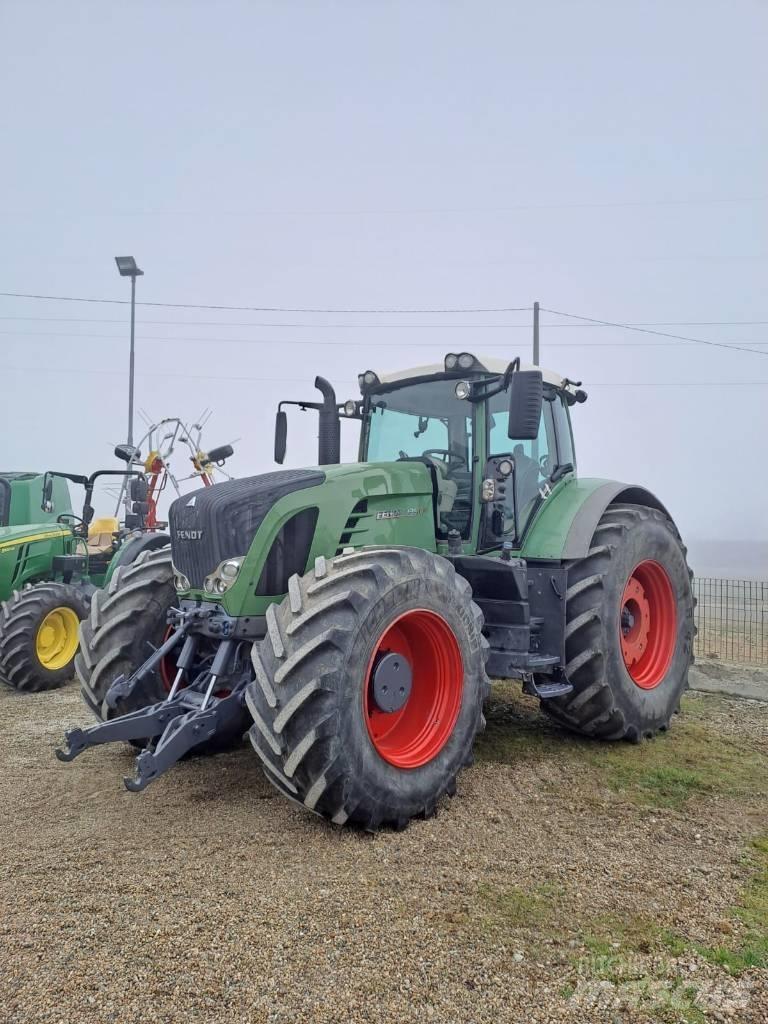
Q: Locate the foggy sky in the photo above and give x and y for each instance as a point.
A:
(606, 159)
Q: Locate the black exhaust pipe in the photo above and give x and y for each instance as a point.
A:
(329, 426)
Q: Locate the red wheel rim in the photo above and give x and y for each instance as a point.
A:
(416, 734)
(648, 624)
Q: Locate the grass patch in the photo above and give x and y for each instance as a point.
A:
(511, 908)
(691, 761)
(752, 912)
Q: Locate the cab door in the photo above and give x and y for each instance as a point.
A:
(533, 464)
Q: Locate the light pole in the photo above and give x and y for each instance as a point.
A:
(128, 268)
(535, 333)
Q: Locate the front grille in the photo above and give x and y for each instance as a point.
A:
(219, 522)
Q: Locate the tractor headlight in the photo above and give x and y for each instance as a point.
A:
(466, 360)
(451, 361)
(224, 576)
(180, 581)
(462, 390)
(350, 408)
(230, 569)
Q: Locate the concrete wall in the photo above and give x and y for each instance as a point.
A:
(737, 680)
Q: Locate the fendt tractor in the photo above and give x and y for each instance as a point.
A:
(51, 561)
(349, 616)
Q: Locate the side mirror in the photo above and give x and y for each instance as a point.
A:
(526, 394)
(281, 436)
(47, 502)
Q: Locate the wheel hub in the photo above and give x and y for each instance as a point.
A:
(57, 638)
(635, 622)
(412, 688)
(391, 682)
(648, 624)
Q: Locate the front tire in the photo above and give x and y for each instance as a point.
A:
(629, 628)
(329, 732)
(126, 620)
(39, 636)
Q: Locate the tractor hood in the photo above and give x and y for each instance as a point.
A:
(277, 521)
(15, 536)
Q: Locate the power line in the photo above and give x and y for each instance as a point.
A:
(661, 334)
(387, 327)
(319, 342)
(256, 309)
(293, 380)
(410, 211)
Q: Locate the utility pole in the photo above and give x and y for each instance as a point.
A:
(535, 334)
(132, 360)
(127, 267)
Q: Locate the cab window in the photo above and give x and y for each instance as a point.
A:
(561, 416)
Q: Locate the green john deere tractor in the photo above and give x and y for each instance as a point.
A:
(51, 561)
(349, 616)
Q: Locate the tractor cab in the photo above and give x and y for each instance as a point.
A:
(495, 436)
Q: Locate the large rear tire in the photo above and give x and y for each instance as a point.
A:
(39, 636)
(629, 628)
(336, 652)
(126, 621)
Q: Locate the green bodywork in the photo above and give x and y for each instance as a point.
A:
(21, 497)
(389, 487)
(29, 537)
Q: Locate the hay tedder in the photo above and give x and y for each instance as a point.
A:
(349, 616)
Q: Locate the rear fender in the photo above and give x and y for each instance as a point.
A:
(582, 529)
(565, 524)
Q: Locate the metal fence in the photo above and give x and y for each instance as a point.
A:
(732, 616)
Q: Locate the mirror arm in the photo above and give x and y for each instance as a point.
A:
(560, 471)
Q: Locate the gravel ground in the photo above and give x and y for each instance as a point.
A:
(540, 893)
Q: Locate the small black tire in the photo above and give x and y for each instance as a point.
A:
(308, 695)
(127, 619)
(21, 619)
(606, 702)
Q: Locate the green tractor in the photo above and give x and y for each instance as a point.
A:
(350, 616)
(51, 562)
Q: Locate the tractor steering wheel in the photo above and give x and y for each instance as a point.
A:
(69, 517)
(450, 456)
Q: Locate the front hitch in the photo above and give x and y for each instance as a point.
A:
(181, 722)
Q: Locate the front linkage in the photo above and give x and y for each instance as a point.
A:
(207, 711)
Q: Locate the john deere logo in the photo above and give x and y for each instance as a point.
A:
(189, 534)
(398, 513)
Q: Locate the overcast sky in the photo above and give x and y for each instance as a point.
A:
(607, 159)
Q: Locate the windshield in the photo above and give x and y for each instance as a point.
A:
(426, 421)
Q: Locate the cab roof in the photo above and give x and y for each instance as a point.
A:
(489, 363)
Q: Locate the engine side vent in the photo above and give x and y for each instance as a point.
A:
(288, 554)
(351, 527)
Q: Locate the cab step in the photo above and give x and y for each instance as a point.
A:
(545, 691)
